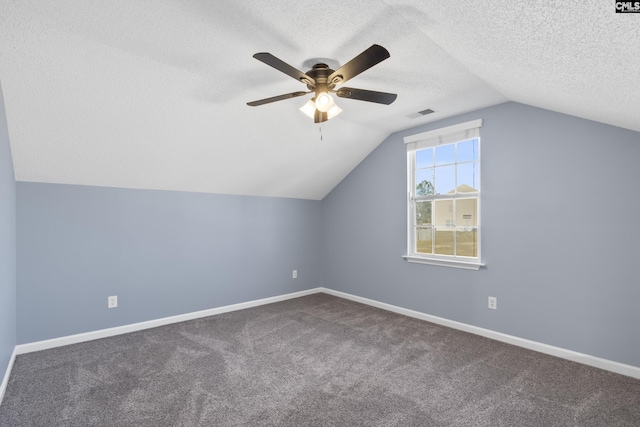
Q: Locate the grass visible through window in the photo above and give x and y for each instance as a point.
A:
(466, 242)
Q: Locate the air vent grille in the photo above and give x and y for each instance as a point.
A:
(421, 113)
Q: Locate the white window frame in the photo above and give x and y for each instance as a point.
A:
(442, 136)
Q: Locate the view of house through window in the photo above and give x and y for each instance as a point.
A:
(444, 195)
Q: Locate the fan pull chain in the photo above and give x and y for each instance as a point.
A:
(320, 129)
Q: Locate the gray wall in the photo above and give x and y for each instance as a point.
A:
(7, 246)
(560, 236)
(162, 253)
(559, 240)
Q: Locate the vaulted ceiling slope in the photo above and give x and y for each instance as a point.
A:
(143, 94)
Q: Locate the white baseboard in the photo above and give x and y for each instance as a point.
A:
(7, 373)
(585, 359)
(118, 330)
(619, 368)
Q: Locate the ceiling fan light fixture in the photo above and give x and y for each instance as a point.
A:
(324, 102)
(333, 111)
(309, 108)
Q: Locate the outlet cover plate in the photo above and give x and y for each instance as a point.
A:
(112, 301)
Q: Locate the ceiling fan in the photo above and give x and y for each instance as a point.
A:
(322, 80)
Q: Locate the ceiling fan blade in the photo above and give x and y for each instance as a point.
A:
(367, 59)
(282, 66)
(319, 116)
(366, 95)
(276, 98)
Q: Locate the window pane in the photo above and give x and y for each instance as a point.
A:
(424, 182)
(424, 240)
(423, 213)
(443, 213)
(444, 241)
(424, 158)
(445, 179)
(468, 150)
(467, 212)
(468, 177)
(467, 242)
(445, 154)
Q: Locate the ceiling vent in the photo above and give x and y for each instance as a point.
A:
(421, 113)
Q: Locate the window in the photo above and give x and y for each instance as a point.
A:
(444, 196)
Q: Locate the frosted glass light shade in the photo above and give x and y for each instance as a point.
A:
(324, 102)
(334, 111)
(310, 109)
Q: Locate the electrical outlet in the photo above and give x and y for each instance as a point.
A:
(493, 303)
(112, 301)
(294, 274)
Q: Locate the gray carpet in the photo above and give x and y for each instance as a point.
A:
(312, 361)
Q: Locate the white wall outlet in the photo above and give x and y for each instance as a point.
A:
(294, 274)
(112, 301)
(493, 303)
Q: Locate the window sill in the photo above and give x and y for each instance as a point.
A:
(467, 265)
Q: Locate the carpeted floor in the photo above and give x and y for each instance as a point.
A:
(312, 361)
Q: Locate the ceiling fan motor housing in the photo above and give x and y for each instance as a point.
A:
(320, 74)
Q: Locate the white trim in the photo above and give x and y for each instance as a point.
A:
(585, 359)
(455, 263)
(445, 135)
(457, 133)
(411, 202)
(118, 330)
(7, 374)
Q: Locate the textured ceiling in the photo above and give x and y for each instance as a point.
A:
(152, 94)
